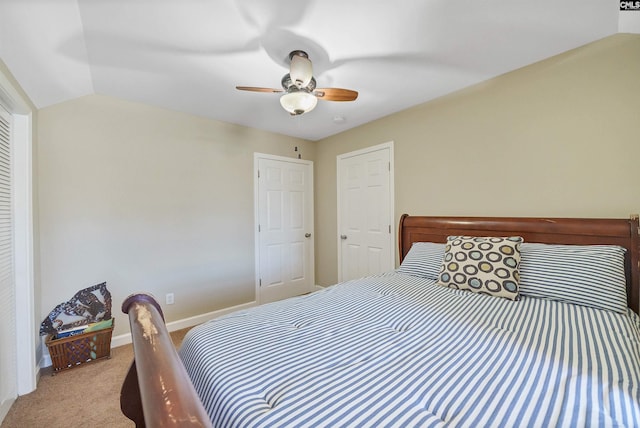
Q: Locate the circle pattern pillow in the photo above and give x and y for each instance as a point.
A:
(487, 265)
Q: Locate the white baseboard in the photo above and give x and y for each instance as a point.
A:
(5, 406)
(125, 339)
(45, 360)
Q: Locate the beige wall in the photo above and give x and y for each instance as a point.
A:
(149, 200)
(557, 138)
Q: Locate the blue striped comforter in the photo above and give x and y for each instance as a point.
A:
(400, 351)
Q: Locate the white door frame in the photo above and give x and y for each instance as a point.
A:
(392, 235)
(22, 161)
(256, 218)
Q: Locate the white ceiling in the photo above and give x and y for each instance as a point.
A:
(188, 55)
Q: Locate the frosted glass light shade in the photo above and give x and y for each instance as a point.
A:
(298, 102)
(301, 71)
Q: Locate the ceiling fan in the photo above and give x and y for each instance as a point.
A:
(299, 87)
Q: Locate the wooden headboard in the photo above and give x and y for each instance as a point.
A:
(576, 231)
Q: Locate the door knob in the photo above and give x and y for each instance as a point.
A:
(343, 236)
(307, 235)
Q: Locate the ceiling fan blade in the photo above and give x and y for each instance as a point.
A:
(255, 89)
(335, 94)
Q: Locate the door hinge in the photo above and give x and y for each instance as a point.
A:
(258, 228)
(260, 282)
(389, 228)
(389, 164)
(258, 173)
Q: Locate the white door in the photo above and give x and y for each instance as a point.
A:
(285, 226)
(8, 361)
(365, 212)
(25, 324)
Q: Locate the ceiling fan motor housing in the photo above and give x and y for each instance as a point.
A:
(298, 52)
(287, 83)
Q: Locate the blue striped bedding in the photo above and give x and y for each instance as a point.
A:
(400, 351)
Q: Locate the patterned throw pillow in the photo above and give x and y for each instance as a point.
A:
(487, 265)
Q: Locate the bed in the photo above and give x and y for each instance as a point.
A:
(400, 349)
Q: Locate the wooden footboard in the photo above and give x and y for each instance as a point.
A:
(157, 391)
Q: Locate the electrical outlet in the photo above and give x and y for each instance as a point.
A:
(169, 298)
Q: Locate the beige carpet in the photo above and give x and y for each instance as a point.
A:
(86, 396)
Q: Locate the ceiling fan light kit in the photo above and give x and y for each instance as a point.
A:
(298, 101)
(299, 86)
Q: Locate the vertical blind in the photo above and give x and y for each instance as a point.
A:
(7, 287)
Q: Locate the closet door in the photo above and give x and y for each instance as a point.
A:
(365, 212)
(8, 364)
(285, 227)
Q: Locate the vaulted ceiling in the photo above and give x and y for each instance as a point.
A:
(188, 55)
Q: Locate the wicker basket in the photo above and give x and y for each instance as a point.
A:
(73, 351)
